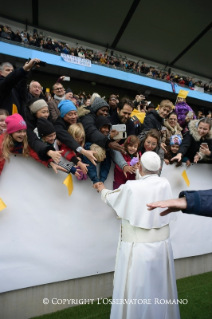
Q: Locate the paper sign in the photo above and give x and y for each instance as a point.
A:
(2, 204)
(185, 177)
(69, 184)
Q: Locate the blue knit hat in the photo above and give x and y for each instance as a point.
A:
(66, 106)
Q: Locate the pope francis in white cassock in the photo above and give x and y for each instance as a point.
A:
(144, 281)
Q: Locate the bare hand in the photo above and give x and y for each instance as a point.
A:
(83, 167)
(113, 133)
(196, 158)
(116, 146)
(62, 77)
(89, 155)
(28, 65)
(99, 186)
(205, 150)
(178, 157)
(163, 146)
(77, 173)
(173, 205)
(55, 155)
(188, 163)
(57, 167)
(129, 169)
(166, 161)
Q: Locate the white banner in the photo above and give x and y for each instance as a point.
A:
(76, 60)
(47, 236)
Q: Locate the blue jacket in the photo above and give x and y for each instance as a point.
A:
(198, 202)
(104, 167)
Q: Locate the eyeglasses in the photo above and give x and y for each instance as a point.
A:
(59, 89)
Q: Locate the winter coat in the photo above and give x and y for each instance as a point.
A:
(53, 109)
(13, 91)
(198, 202)
(130, 129)
(119, 177)
(34, 142)
(18, 150)
(170, 131)
(93, 135)
(61, 127)
(92, 169)
(192, 141)
(181, 109)
(153, 120)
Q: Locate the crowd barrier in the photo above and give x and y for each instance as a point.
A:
(47, 236)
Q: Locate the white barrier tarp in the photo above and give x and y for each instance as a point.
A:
(47, 236)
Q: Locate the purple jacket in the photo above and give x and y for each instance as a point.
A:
(181, 109)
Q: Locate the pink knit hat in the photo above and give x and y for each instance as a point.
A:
(15, 123)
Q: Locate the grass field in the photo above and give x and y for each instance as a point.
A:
(196, 289)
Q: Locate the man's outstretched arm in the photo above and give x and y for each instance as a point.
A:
(190, 202)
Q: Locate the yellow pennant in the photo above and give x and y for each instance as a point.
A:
(2, 204)
(69, 184)
(185, 177)
(14, 109)
(183, 94)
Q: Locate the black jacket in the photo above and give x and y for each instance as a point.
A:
(63, 136)
(153, 120)
(34, 142)
(130, 129)
(13, 90)
(93, 135)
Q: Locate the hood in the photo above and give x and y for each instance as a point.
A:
(82, 111)
(193, 131)
(101, 121)
(172, 129)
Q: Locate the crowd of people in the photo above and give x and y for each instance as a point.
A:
(104, 58)
(73, 133)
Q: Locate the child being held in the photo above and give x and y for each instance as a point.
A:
(172, 150)
(131, 146)
(77, 132)
(102, 156)
(47, 134)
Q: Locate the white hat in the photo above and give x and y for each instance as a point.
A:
(151, 161)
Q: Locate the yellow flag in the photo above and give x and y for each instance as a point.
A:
(183, 94)
(2, 204)
(185, 177)
(14, 109)
(69, 184)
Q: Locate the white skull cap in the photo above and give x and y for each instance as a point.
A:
(151, 161)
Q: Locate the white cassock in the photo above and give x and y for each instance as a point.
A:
(144, 282)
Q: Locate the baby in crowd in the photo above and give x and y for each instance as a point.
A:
(77, 132)
(131, 146)
(102, 155)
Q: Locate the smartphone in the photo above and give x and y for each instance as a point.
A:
(121, 128)
(204, 145)
(66, 78)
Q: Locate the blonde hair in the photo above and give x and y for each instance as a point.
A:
(167, 103)
(77, 131)
(100, 152)
(8, 145)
